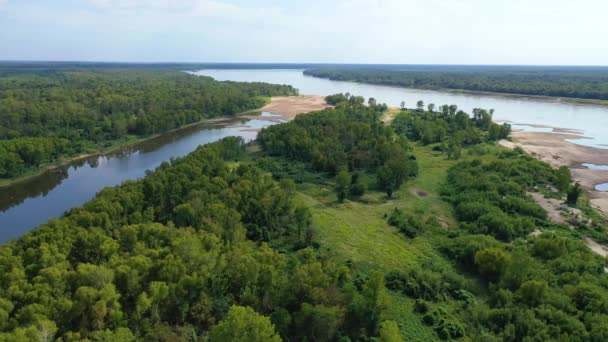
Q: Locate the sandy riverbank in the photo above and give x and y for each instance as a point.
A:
(555, 150)
(287, 107)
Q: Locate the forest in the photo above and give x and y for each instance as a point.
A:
(45, 115)
(335, 226)
(207, 246)
(559, 82)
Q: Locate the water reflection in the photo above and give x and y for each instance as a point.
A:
(26, 205)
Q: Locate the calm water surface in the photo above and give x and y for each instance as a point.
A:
(589, 118)
(595, 166)
(26, 205)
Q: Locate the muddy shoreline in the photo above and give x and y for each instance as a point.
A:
(553, 148)
(288, 107)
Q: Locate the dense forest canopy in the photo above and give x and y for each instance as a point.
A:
(223, 245)
(170, 256)
(349, 138)
(45, 114)
(584, 83)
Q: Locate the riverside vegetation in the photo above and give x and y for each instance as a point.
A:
(47, 115)
(582, 83)
(332, 227)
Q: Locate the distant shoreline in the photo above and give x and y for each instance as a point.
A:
(480, 92)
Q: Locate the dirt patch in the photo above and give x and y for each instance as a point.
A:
(421, 194)
(555, 150)
(287, 107)
(557, 211)
(596, 247)
(390, 114)
(551, 205)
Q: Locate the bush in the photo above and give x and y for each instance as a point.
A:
(407, 224)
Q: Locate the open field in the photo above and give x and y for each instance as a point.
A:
(357, 231)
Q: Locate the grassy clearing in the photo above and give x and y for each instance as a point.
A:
(357, 231)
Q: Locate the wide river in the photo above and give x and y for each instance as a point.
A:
(591, 119)
(26, 205)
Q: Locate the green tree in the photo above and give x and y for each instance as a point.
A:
(242, 324)
(420, 105)
(389, 332)
(392, 175)
(491, 262)
(573, 194)
(318, 322)
(343, 181)
(563, 178)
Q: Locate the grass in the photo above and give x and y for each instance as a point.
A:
(357, 231)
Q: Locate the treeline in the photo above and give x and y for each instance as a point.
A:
(452, 128)
(584, 84)
(449, 124)
(40, 112)
(186, 253)
(349, 138)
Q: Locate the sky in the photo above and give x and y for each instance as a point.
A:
(538, 32)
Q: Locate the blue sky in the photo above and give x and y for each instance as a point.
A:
(338, 31)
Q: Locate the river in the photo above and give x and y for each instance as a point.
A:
(590, 119)
(33, 202)
(26, 205)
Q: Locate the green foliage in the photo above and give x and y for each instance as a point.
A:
(165, 257)
(358, 186)
(44, 116)
(450, 127)
(242, 324)
(574, 192)
(343, 181)
(446, 326)
(491, 197)
(349, 136)
(319, 322)
(560, 81)
(563, 178)
(389, 332)
(393, 173)
(408, 224)
(427, 284)
(491, 262)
